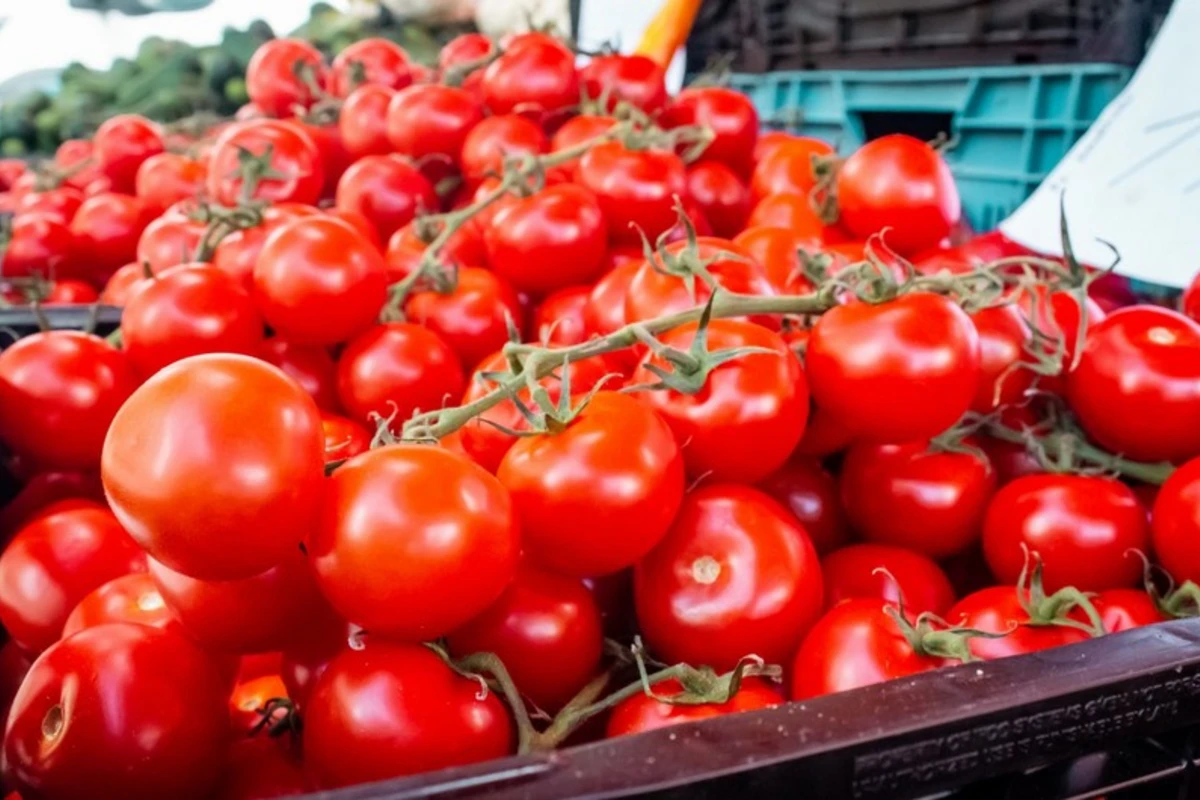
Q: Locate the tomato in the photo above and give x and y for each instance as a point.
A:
(1126, 609)
(344, 438)
(471, 319)
(318, 281)
(373, 61)
(736, 575)
(42, 491)
(305, 660)
(70, 293)
(237, 253)
(776, 251)
(203, 508)
(731, 117)
(1176, 523)
(605, 311)
(164, 179)
(494, 140)
(335, 158)
(76, 156)
(53, 563)
(365, 723)
(901, 370)
(106, 229)
(636, 188)
(431, 120)
(362, 124)
(294, 159)
(125, 283)
(915, 497)
(59, 203)
(1136, 390)
(633, 79)
(186, 311)
(308, 365)
(396, 369)
(723, 198)
(168, 242)
(398, 552)
(750, 411)
(536, 77)
(261, 768)
(793, 213)
(546, 630)
(998, 609)
(129, 598)
(900, 183)
(1010, 460)
(1003, 336)
(59, 390)
(120, 146)
(38, 244)
(788, 168)
(273, 79)
(884, 572)
(643, 712)
(810, 492)
(388, 190)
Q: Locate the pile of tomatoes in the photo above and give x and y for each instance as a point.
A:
(429, 380)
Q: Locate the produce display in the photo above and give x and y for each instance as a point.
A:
(514, 404)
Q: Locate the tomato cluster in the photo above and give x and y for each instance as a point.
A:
(409, 410)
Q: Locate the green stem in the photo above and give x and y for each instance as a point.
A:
(1083, 451)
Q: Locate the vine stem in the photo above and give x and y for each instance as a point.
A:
(1065, 443)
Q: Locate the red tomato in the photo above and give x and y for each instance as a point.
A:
(643, 712)
(810, 492)
(186, 311)
(400, 553)
(165, 179)
(736, 575)
(310, 366)
(535, 77)
(344, 438)
(472, 318)
(857, 643)
(59, 390)
(387, 190)
(362, 124)
(560, 319)
(125, 283)
(381, 62)
(1136, 390)
(168, 242)
(750, 413)
(911, 496)
(396, 369)
(1056, 314)
(795, 214)
(911, 579)
(54, 562)
(1009, 460)
(1125, 609)
(464, 49)
(723, 198)
(70, 293)
(38, 245)
(406, 248)
(636, 188)
(901, 370)
(431, 120)
(731, 117)
(203, 508)
(496, 139)
(129, 598)
(293, 155)
(605, 311)
(76, 156)
(273, 78)
(546, 630)
(263, 767)
(788, 168)
(900, 183)
(121, 144)
(335, 158)
(60, 203)
(238, 252)
(1176, 522)
(998, 609)
(106, 229)
(365, 723)
(1003, 336)
(318, 281)
(633, 79)
(79, 726)
(42, 491)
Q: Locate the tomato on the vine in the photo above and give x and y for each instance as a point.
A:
(106, 229)
(636, 188)
(644, 712)
(1000, 610)
(344, 438)
(605, 311)
(560, 319)
(121, 144)
(311, 366)
(128, 598)
(373, 61)
(804, 487)
(60, 203)
(1176, 523)
(294, 161)
(388, 190)
(167, 242)
(492, 141)
(275, 79)
(165, 179)
(473, 317)
(1003, 336)
(38, 245)
(793, 213)
(788, 167)
(884, 572)
(362, 123)
(432, 120)
(633, 79)
(1126, 609)
(722, 196)
(730, 116)
(537, 77)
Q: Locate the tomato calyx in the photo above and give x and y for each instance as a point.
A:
(823, 195)
(1055, 609)
(277, 716)
(1174, 601)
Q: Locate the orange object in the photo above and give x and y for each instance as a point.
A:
(669, 29)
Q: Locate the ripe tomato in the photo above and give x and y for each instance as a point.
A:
(38, 244)
(788, 168)
(273, 77)
(751, 411)
(857, 643)
(59, 390)
(344, 438)
(129, 598)
(70, 292)
(431, 120)
(897, 371)
(1082, 527)
(237, 253)
(535, 77)
(125, 283)
(1126, 609)
(776, 251)
(163, 180)
(77, 156)
(559, 319)
(633, 79)
(795, 214)
(60, 203)
(494, 140)
(54, 562)
(334, 157)
(472, 318)
(810, 492)
(546, 630)
(723, 198)
(365, 723)
(189, 310)
(605, 311)
(1176, 523)
(731, 117)
(398, 552)
(318, 281)
(911, 496)
(168, 242)
(636, 188)
(167, 480)
(388, 190)
(900, 183)
(308, 365)
(1009, 460)
(1136, 390)
(614, 471)
(121, 144)
(911, 579)
(373, 61)
(1003, 336)
(643, 712)
(464, 49)
(396, 369)
(362, 124)
(550, 240)
(736, 575)
(1056, 314)
(998, 609)
(293, 155)
(578, 130)
(106, 228)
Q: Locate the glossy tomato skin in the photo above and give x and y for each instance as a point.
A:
(129, 598)
(615, 473)
(397, 368)
(388, 190)
(53, 563)
(1126, 609)
(578, 130)
(121, 144)
(731, 117)
(536, 77)
(1082, 527)
(106, 229)
(397, 550)
(432, 120)
(319, 281)
(902, 370)
(382, 61)
(559, 319)
(633, 79)
(545, 628)
(189, 310)
(793, 213)
(165, 480)
(311, 366)
(472, 319)
(59, 390)
(491, 141)
(750, 415)
(78, 726)
(165, 179)
(344, 438)
(362, 124)
(636, 188)
(788, 167)
(735, 575)
(1176, 523)
(605, 311)
(912, 579)
(909, 495)
(263, 767)
(168, 242)
(294, 155)
(804, 487)
(642, 712)
(38, 244)
(857, 643)
(997, 609)
(721, 195)
(1003, 336)
(272, 81)
(366, 723)
(1136, 389)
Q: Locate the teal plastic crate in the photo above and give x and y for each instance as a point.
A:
(1012, 124)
